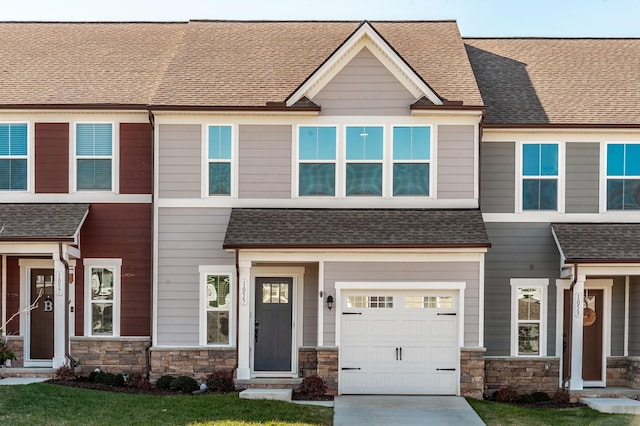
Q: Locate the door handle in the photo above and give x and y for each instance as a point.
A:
(400, 354)
(396, 354)
(257, 329)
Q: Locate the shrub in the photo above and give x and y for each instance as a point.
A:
(313, 387)
(561, 397)
(541, 396)
(93, 375)
(138, 381)
(507, 394)
(221, 381)
(109, 379)
(164, 382)
(184, 384)
(527, 398)
(66, 373)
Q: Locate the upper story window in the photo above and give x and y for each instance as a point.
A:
(540, 176)
(317, 161)
(528, 316)
(219, 160)
(364, 155)
(411, 160)
(13, 157)
(94, 157)
(623, 176)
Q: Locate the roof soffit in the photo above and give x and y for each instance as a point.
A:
(364, 37)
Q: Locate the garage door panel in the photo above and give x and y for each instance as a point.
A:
(442, 355)
(443, 328)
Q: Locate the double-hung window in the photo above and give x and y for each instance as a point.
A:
(364, 154)
(623, 176)
(94, 157)
(539, 176)
(13, 157)
(411, 160)
(219, 160)
(216, 306)
(102, 297)
(317, 161)
(528, 316)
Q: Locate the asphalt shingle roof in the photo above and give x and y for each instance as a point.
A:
(41, 221)
(558, 81)
(598, 242)
(344, 228)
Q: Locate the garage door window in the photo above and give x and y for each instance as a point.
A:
(428, 302)
(369, 301)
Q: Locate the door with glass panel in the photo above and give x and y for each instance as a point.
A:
(273, 325)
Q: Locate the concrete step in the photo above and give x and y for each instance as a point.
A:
(277, 394)
(41, 372)
(613, 405)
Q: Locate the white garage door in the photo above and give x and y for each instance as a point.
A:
(400, 342)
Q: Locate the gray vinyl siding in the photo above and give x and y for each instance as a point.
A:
(617, 316)
(518, 250)
(265, 162)
(634, 316)
(364, 87)
(187, 238)
(467, 272)
(497, 177)
(456, 165)
(582, 178)
(310, 314)
(180, 161)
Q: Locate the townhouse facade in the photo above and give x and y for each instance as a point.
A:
(385, 204)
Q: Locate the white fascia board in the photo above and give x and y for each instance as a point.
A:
(562, 256)
(365, 36)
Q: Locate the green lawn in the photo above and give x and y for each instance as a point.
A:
(45, 404)
(497, 414)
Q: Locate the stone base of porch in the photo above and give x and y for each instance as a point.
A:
(112, 355)
(192, 362)
(472, 376)
(525, 375)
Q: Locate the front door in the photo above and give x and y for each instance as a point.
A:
(592, 335)
(273, 324)
(41, 324)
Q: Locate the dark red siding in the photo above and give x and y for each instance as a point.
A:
(13, 294)
(120, 231)
(52, 158)
(136, 158)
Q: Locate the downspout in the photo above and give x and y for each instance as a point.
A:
(147, 349)
(70, 361)
(570, 328)
(237, 304)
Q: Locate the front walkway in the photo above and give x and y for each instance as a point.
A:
(370, 410)
(21, 380)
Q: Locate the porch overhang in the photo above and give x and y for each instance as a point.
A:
(355, 229)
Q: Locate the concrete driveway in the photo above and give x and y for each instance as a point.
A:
(403, 410)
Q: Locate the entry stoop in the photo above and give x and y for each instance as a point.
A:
(276, 394)
(28, 372)
(613, 405)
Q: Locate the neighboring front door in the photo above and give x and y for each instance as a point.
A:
(273, 328)
(592, 335)
(41, 324)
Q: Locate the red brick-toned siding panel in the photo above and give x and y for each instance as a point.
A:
(52, 158)
(136, 158)
(13, 294)
(120, 231)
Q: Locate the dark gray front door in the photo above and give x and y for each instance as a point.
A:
(41, 326)
(273, 324)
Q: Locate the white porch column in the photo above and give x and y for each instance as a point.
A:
(577, 307)
(245, 321)
(59, 311)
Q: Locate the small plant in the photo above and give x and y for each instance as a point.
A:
(109, 379)
(507, 394)
(138, 381)
(5, 351)
(221, 381)
(541, 397)
(561, 397)
(164, 382)
(526, 398)
(66, 373)
(184, 384)
(313, 387)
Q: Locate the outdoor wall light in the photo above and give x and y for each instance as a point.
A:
(329, 302)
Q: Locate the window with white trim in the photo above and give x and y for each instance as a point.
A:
(219, 157)
(411, 160)
(528, 316)
(540, 175)
(13, 157)
(364, 155)
(623, 176)
(102, 296)
(317, 161)
(216, 303)
(94, 157)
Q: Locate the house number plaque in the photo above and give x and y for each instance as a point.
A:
(59, 284)
(578, 305)
(244, 297)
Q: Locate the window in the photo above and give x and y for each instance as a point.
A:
(94, 157)
(317, 157)
(411, 160)
(364, 153)
(102, 297)
(539, 176)
(369, 301)
(216, 306)
(13, 157)
(219, 159)
(623, 176)
(428, 302)
(528, 315)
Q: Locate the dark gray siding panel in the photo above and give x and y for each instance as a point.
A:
(456, 162)
(265, 162)
(497, 179)
(634, 316)
(617, 316)
(518, 250)
(582, 178)
(310, 315)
